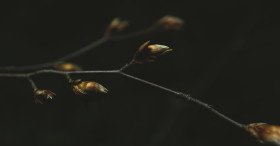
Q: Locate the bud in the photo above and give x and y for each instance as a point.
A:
(42, 95)
(85, 87)
(169, 23)
(67, 67)
(264, 133)
(116, 25)
(148, 53)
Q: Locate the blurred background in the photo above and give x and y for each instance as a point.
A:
(226, 54)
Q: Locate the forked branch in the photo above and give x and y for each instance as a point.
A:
(120, 72)
(145, 54)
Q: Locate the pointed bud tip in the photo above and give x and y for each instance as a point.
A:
(148, 53)
(103, 89)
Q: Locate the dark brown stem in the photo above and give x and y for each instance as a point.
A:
(177, 93)
(77, 53)
(186, 96)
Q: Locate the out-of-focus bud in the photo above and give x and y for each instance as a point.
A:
(67, 67)
(40, 95)
(169, 23)
(85, 87)
(264, 133)
(148, 53)
(116, 25)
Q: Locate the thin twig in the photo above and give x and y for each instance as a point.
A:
(134, 34)
(77, 53)
(83, 50)
(177, 93)
(186, 96)
(24, 75)
(13, 75)
(68, 77)
(91, 46)
(32, 83)
(127, 65)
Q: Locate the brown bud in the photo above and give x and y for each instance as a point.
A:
(264, 133)
(148, 53)
(42, 95)
(116, 25)
(85, 87)
(169, 23)
(67, 67)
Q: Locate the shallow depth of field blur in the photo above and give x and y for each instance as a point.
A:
(226, 54)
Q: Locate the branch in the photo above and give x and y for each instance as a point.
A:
(186, 96)
(120, 72)
(79, 52)
(146, 53)
(32, 83)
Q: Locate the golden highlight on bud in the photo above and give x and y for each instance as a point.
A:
(148, 53)
(169, 23)
(42, 95)
(264, 133)
(85, 87)
(67, 67)
(116, 25)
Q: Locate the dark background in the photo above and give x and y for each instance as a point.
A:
(227, 54)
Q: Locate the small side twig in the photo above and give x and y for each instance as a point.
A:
(120, 72)
(145, 54)
(79, 52)
(32, 83)
(127, 65)
(68, 77)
